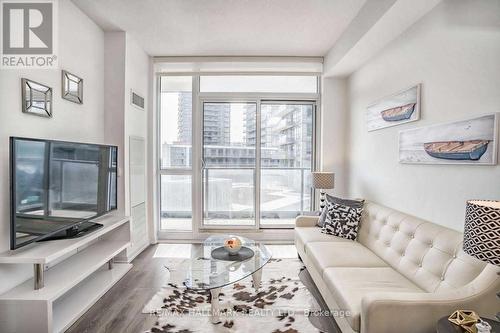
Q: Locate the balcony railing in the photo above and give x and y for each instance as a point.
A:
(229, 193)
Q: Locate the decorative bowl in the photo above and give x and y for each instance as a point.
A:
(232, 245)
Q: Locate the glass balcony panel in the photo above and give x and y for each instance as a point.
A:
(175, 206)
(229, 197)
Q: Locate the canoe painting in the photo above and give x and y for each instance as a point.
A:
(472, 141)
(394, 110)
(398, 113)
(457, 150)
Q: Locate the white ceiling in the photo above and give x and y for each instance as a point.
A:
(227, 27)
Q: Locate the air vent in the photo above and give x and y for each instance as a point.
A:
(137, 100)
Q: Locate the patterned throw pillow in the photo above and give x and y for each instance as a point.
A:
(333, 227)
(342, 221)
(357, 203)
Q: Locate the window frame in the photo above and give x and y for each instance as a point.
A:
(257, 75)
(256, 177)
(199, 230)
(173, 171)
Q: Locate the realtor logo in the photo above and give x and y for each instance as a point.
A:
(28, 34)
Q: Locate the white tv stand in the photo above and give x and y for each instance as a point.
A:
(70, 275)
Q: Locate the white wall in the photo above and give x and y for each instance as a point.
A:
(454, 51)
(114, 102)
(136, 122)
(136, 79)
(334, 104)
(127, 68)
(81, 45)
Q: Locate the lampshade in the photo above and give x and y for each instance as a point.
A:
(482, 230)
(323, 180)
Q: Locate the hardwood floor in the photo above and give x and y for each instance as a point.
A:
(119, 310)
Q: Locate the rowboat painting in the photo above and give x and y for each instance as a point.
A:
(398, 113)
(472, 141)
(393, 110)
(457, 150)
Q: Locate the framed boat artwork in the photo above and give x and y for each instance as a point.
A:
(473, 141)
(396, 109)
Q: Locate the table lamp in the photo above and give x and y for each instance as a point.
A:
(482, 232)
(323, 181)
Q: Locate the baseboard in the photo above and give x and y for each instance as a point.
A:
(137, 252)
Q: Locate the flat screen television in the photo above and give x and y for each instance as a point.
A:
(58, 187)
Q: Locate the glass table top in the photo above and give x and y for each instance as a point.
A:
(206, 273)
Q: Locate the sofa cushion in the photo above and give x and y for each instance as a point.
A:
(304, 235)
(341, 254)
(349, 284)
(308, 235)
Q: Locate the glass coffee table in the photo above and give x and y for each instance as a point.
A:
(207, 273)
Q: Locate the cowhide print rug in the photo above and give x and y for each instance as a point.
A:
(282, 304)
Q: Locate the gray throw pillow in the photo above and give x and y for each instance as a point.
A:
(355, 203)
(322, 218)
(339, 201)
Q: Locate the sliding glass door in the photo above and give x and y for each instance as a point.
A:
(286, 161)
(229, 163)
(257, 159)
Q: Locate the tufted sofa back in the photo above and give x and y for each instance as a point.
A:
(429, 255)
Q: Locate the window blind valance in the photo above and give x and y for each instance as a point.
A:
(229, 65)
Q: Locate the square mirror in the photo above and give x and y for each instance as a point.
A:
(37, 98)
(72, 87)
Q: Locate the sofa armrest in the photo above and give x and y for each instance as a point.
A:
(306, 221)
(393, 312)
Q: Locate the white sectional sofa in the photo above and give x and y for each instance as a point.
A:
(401, 276)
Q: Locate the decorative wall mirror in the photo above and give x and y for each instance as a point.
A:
(37, 98)
(72, 87)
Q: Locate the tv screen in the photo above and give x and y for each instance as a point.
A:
(56, 185)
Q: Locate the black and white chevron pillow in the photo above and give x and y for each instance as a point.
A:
(342, 221)
(333, 227)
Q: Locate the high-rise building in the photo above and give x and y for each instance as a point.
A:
(216, 123)
(285, 132)
(185, 117)
(295, 131)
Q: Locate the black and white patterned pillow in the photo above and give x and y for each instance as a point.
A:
(356, 203)
(342, 221)
(333, 227)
